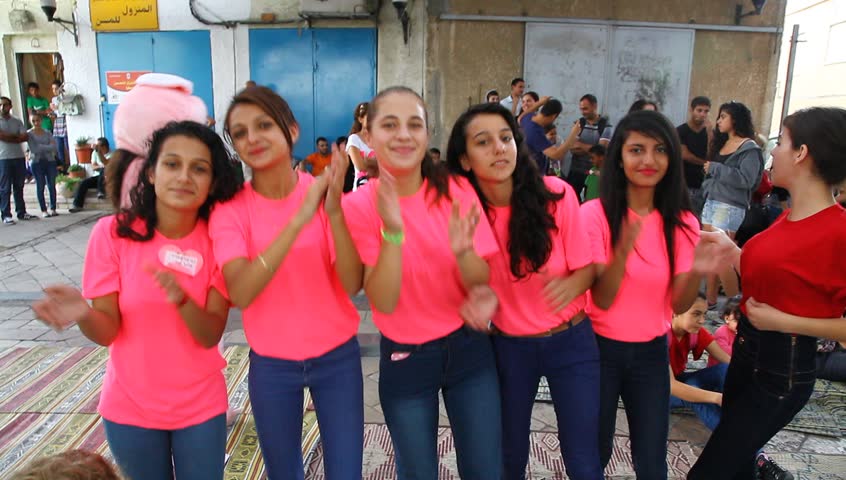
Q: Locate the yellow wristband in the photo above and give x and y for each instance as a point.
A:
(394, 238)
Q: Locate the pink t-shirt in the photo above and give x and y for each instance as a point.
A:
(523, 308)
(642, 308)
(303, 312)
(431, 293)
(725, 339)
(157, 375)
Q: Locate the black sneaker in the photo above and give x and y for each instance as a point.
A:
(75, 209)
(768, 469)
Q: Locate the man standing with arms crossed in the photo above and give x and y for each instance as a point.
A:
(12, 164)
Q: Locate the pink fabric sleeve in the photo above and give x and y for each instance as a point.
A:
(596, 225)
(363, 222)
(577, 245)
(229, 238)
(686, 240)
(721, 336)
(101, 271)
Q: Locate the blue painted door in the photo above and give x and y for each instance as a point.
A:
(322, 74)
(187, 54)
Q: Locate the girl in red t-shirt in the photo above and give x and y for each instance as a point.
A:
(158, 304)
(794, 290)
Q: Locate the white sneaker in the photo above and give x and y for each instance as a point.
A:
(45, 215)
(9, 221)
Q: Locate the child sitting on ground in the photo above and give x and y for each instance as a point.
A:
(700, 390)
(68, 465)
(724, 336)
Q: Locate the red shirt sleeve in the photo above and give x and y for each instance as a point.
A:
(704, 339)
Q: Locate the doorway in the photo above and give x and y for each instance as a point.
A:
(40, 68)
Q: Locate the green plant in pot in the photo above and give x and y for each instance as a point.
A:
(67, 185)
(76, 171)
(83, 150)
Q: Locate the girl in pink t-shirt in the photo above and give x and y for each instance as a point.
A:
(541, 274)
(158, 303)
(724, 336)
(422, 254)
(290, 265)
(644, 240)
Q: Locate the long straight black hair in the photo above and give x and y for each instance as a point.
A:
(671, 195)
(532, 220)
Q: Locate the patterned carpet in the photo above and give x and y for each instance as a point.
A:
(48, 403)
(824, 414)
(544, 463)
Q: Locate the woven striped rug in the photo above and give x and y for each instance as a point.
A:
(48, 404)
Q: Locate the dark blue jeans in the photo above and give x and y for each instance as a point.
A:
(637, 372)
(276, 394)
(570, 362)
(711, 379)
(462, 367)
(61, 145)
(193, 453)
(770, 378)
(45, 175)
(12, 177)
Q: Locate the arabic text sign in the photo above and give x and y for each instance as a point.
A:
(118, 15)
(118, 83)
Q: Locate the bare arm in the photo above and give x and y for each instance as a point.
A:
(382, 281)
(206, 324)
(348, 264)
(765, 317)
(692, 394)
(716, 351)
(689, 157)
(685, 288)
(357, 159)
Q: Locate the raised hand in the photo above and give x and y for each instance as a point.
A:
(479, 308)
(336, 172)
(628, 238)
(387, 203)
(315, 194)
(462, 229)
(168, 282)
(714, 253)
(61, 307)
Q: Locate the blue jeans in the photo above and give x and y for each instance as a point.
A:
(276, 394)
(45, 174)
(193, 453)
(570, 362)
(637, 372)
(61, 145)
(12, 177)
(462, 367)
(711, 379)
(722, 215)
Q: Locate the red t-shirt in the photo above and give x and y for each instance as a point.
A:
(680, 348)
(799, 267)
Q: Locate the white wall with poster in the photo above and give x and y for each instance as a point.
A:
(617, 64)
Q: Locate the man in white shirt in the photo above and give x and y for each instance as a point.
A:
(99, 159)
(514, 101)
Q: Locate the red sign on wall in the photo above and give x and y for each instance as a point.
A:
(119, 83)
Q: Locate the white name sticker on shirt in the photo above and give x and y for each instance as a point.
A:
(189, 262)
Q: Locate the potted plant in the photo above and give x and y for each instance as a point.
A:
(83, 150)
(67, 185)
(76, 171)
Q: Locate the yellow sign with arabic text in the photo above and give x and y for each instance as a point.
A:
(124, 15)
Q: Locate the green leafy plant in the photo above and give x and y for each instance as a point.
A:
(76, 168)
(83, 141)
(69, 183)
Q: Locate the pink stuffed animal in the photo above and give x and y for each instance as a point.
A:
(156, 99)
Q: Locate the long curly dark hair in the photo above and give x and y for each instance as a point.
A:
(741, 118)
(224, 185)
(532, 222)
(671, 196)
(435, 173)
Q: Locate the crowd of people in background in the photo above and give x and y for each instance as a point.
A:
(486, 269)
